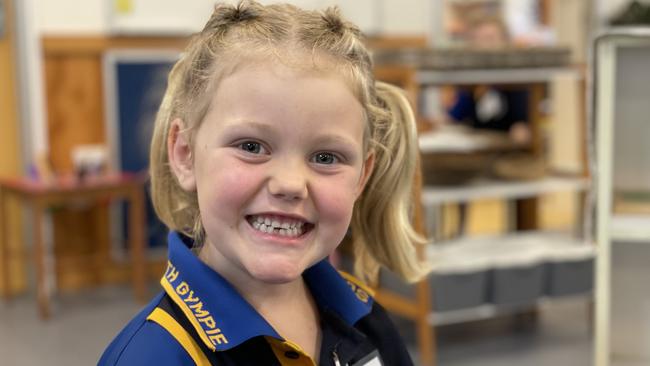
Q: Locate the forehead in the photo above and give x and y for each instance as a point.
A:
(254, 69)
(290, 58)
(284, 104)
(272, 88)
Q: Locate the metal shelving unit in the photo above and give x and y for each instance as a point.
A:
(609, 226)
(432, 195)
(524, 192)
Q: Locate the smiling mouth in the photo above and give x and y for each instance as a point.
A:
(280, 226)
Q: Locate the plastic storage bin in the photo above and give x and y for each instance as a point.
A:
(390, 281)
(459, 277)
(517, 277)
(570, 270)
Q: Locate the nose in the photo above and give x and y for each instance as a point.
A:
(288, 181)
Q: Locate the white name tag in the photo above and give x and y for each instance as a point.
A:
(371, 359)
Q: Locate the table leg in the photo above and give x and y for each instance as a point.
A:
(137, 227)
(39, 261)
(4, 249)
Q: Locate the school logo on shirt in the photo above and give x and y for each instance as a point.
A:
(192, 306)
(362, 292)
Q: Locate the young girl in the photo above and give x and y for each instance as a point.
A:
(273, 141)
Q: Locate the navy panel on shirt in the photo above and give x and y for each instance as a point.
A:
(114, 350)
(153, 345)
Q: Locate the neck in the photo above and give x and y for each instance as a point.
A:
(288, 307)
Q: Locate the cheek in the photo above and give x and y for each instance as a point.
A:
(336, 199)
(225, 188)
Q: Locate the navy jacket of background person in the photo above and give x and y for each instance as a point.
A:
(497, 110)
(200, 319)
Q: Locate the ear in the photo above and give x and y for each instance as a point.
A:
(179, 153)
(366, 171)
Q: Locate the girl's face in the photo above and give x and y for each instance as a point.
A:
(277, 164)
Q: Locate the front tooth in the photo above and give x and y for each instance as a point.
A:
(276, 223)
(283, 232)
(267, 221)
(285, 225)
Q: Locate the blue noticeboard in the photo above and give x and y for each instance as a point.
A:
(139, 92)
(136, 82)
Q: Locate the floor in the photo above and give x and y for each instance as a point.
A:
(84, 323)
(560, 336)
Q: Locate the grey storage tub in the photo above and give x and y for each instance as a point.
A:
(458, 279)
(517, 277)
(390, 281)
(570, 270)
(454, 291)
(460, 276)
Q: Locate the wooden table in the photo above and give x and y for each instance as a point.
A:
(39, 196)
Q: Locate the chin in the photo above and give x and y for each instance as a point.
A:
(277, 273)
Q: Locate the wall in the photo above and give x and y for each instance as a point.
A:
(10, 164)
(94, 16)
(71, 16)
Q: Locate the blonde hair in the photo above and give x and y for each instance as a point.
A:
(381, 228)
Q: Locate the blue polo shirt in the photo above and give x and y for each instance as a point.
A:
(200, 319)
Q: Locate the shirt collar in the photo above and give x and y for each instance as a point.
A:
(224, 319)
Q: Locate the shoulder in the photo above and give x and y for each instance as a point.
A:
(377, 325)
(380, 330)
(145, 342)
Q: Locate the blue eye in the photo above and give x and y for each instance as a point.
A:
(251, 147)
(325, 158)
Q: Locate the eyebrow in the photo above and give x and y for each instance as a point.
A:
(334, 139)
(268, 128)
(249, 124)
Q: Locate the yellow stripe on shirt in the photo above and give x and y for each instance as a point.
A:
(170, 324)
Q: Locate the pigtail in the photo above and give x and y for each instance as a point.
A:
(382, 233)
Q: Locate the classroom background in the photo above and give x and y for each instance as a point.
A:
(534, 187)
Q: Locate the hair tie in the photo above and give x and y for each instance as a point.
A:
(225, 15)
(333, 21)
(240, 13)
